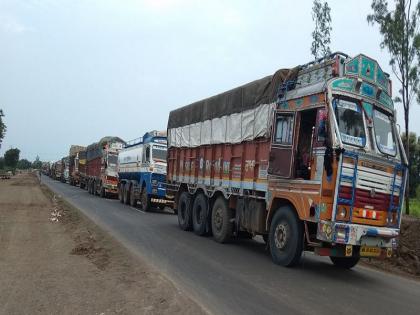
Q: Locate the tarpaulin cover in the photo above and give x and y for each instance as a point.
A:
(248, 96)
(74, 149)
(235, 128)
(95, 149)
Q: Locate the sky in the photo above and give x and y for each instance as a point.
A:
(74, 71)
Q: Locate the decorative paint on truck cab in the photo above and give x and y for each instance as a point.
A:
(309, 158)
(142, 171)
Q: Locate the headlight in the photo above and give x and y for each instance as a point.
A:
(340, 234)
(342, 213)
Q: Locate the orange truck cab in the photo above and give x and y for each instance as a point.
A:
(309, 158)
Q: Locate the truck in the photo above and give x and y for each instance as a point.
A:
(46, 168)
(142, 171)
(101, 166)
(309, 158)
(57, 170)
(81, 168)
(65, 169)
(75, 164)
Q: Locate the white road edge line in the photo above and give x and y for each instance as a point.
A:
(138, 210)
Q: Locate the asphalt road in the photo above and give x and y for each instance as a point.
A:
(239, 278)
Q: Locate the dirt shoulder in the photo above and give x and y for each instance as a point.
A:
(54, 260)
(406, 259)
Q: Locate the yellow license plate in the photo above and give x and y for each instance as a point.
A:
(370, 251)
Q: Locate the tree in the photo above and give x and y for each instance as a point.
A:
(1, 163)
(2, 127)
(414, 160)
(23, 164)
(11, 158)
(37, 164)
(321, 35)
(401, 37)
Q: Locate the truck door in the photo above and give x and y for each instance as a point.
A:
(281, 153)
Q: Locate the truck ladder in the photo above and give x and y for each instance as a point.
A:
(348, 178)
(400, 187)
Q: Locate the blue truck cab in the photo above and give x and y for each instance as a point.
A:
(142, 171)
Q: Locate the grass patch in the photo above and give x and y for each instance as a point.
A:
(415, 207)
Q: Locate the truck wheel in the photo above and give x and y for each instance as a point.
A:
(184, 211)
(221, 221)
(286, 237)
(126, 195)
(145, 200)
(133, 200)
(199, 214)
(345, 262)
(121, 193)
(103, 193)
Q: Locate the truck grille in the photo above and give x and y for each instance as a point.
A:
(373, 190)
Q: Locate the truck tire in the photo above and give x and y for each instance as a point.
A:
(200, 214)
(184, 211)
(121, 193)
(286, 237)
(345, 262)
(126, 194)
(145, 200)
(221, 221)
(103, 193)
(133, 200)
(94, 188)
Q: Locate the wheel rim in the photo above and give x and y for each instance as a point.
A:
(218, 219)
(281, 235)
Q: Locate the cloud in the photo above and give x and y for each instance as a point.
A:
(164, 4)
(9, 24)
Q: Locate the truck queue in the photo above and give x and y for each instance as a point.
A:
(309, 158)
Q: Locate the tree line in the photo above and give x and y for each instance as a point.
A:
(10, 161)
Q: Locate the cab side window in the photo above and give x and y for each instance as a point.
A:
(147, 154)
(284, 130)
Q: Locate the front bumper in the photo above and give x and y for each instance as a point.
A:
(356, 234)
(111, 188)
(158, 190)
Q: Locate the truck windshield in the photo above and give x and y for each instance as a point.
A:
(159, 153)
(112, 159)
(350, 122)
(383, 133)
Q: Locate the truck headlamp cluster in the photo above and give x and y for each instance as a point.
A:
(342, 213)
(341, 234)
